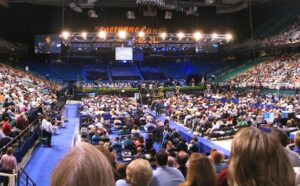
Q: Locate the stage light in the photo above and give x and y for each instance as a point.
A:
(65, 35)
(197, 36)
(102, 34)
(214, 36)
(180, 35)
(122, 34)
(84, 35)
(141, 34)
(163, 35)
(228, 37)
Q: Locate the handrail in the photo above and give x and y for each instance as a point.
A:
(27, 176)
(18, 136)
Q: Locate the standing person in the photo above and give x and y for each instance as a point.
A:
(200, 171)
(8, 163)
(164, 175)
(47, 130)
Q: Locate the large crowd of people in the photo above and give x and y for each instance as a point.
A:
(24, 100)
(288, 36)
(257, 158)
(142, 150)
(275, 73)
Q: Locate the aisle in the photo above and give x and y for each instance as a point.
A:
(44, 159)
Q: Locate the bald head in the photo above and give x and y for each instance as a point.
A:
(182, 157)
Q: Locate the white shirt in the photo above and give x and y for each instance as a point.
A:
(47, 126)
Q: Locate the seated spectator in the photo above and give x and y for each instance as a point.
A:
(217, 159)
(96, 138)
(152, 158)
(135, 131)
(140, 154)
(273, 168)
(47, 130)
(200, 171)
(182, 146)
(297, 143)
(283, 137)
(6, 127)
(128, 144)
(121, 171)
(164, 175)
(89, 171)
(194, 145)
(2, 135)
(181, 160)
(138, 173)
(21, 121)
(171, 161)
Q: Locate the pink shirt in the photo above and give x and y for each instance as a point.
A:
(8, 162)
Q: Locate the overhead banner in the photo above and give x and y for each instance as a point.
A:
(230, 8)
(131, 29)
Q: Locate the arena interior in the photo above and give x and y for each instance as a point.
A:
(150, 92)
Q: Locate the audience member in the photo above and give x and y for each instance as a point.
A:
(84, 165)
(139, 173)
(181, 160)
(164, 175)
(200, 171)
(283, 137)
(258, 159)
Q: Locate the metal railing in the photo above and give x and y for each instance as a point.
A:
(24, 179)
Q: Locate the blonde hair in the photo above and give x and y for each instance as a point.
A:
(258, 160)
(200, 171)
(139, 173)
(84, 165)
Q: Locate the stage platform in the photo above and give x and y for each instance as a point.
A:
(205, 144)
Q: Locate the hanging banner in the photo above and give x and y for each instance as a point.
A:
(131, 29)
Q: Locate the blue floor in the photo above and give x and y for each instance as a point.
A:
(44, 159)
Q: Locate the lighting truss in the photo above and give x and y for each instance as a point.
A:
(157, 38)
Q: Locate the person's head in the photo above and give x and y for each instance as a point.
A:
(162, 158)
(216, 157)
(258, 159)
(195, 139)
(297, 139)
(6, 118)
(181, 158)
(281, 135)
(171, 161)
(9, 151)
(121, 170)
(200, 171)
(106, 153)
(139, 173)
(84, 165)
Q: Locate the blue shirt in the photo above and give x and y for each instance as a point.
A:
(297, 150)
(166, 176)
